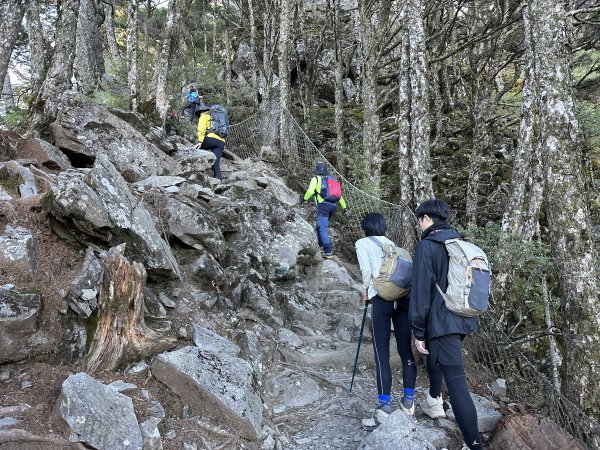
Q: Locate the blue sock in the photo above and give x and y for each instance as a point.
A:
(385, 399)
(409, 393)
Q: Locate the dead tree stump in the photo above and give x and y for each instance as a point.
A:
(121, 333)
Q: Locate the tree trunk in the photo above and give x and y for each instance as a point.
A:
(89, 64)
(284, 53)
(11, 16)
(370, 170)
(253, 62)
(121, 333)
(158, 92)
(407, 199)
(228, 53)
(338, 88)
(569, 222)
(60, 71)
(419, 102)
(38, 46)
(132, 43)
(109, 26)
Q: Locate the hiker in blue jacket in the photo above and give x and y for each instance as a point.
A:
(383, 314)
(438, 331)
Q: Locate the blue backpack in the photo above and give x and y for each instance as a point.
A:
(193, 97)
(219, 121)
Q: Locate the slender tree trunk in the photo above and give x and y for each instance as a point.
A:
(575, 254)
(175, 11)
(228, 53)
(89, 64)
(407, 198)
(370, 172)
(60, 71)
(253, 62)
(121, 332)
(6, 97)
(553, 353)
(419, 102)
(132, 43)
(284, 52)
(519, 210)
(339, 87)
(11, 16)
(109, 26)
(38, 46)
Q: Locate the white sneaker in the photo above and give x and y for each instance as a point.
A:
(433, 407)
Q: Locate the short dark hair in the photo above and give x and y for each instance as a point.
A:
(435, 209)
(374, 224)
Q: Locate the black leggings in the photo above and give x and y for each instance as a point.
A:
(383, 313)
(460, 398)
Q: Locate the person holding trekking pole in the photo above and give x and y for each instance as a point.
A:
(370, 251)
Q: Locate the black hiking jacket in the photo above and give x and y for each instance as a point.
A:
(428, 315)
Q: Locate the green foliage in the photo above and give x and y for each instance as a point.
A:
(11, 184)
(13, 118)
(110, 99)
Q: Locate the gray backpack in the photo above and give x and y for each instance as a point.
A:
(469, 277)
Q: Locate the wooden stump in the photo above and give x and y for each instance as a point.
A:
(121, 333)
(530, 432)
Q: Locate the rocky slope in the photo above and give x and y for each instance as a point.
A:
(257, 334)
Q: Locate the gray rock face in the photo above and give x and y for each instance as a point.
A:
(18, 324)
(17, 249)
(82, 296)
(194, 161)
(207, 270)
(207, 340)
(194, 225)
(158, 182)
(101, 206)
(29, 187)
(398, 432)
(46, 154)
(293, 389)
(97, 415)
(84, 129)
(153, 305)
(217, 384)
(487, 414)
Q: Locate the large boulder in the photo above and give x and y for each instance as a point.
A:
(97, 415)
(194, 225)
(100, 205)
(17, 250)
(194, 161)
(27, 182)
(84, 129)
(217, 384)
(19, 316)
(46, 154)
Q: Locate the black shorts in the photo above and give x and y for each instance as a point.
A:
(446, 350)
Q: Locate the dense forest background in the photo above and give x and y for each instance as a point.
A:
(492, 105)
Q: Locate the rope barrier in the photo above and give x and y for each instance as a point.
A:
(274, 133)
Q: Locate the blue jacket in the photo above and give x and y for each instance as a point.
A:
(428, 315)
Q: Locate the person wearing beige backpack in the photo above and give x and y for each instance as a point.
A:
(371, 252)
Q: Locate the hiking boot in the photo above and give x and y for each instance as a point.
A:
(377, 418)
(328, 255)
(408, 406)
(433, 407)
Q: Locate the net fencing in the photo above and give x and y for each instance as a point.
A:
(273, 134)
(297, 155)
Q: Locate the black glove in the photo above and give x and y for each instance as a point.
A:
(347, 212)
(302, 199)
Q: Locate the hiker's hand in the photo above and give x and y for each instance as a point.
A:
(365, 296)
(302, 200)
(198, 145)
(347, 212)
(421, 347)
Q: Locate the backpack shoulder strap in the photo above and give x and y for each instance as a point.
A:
(374, 239)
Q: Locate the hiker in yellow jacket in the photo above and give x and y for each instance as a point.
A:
(326, 205)
(209, 141)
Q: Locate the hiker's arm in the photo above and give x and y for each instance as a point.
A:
(311, 189)
(202, 126)
(365, 264)
(423, 279)
(342, 203)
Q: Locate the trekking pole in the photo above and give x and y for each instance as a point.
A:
(360, 335)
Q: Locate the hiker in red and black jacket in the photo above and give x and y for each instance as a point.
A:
(438, 331)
